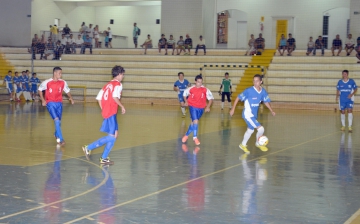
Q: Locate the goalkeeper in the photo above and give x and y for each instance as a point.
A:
(226, 83)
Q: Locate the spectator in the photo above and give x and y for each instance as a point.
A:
(349, 45)
(49, 48)
(40, 47)
(63, 40)
(87, 44)
(68, 48)
(282, 45)
(147, 44)
(260, 44)
(162, 44)
(32, 49)
(78, 43)
(66, 31)
(180, 45)
(135, 35)
(310, 46)
(251, 45)
(319, 44)
(291, 44)
(200, 45)
(106, 39)
(188, 44)
(336, 45)
(171, 44)
(357, 49)
(110, 37)
(54, 32)
(90, 31)
(72, 42)
(97, 36)
(83, 30)
(35, 39)
(58, 51)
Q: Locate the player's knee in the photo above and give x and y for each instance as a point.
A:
(250, 131)
(261, 128)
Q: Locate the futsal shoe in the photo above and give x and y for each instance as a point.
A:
(261, 147)
(350, 129)
(244, 148)
(86, 152)
(184, 139)
(196, 140)
(106, 161)
(61, 143)
(342, 128)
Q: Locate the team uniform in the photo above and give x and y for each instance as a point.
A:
(109, 124)
(8, 84)
(18, 88)
(26, 87)
(345, 89)
(197, 102)
(226, 83)
(182, 87)
(34, 84)
(53, 97)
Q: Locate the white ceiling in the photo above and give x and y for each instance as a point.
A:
(99, 3)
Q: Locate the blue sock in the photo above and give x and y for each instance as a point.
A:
(189, 130)
(195, 128)
(108, 147)
(58, 130)
(100, 142)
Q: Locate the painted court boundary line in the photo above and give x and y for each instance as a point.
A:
(353, 217)
(189, 181)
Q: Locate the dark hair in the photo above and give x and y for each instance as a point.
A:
(56, 69)
(290, 34)
(26, 71)
(226, 73)
(116, 70)
(34, 73)
(9, 71)
(259, 76)
(181, 73)
(16, 73)
(201, 36)
(346, 71)
(319, 36)
(22, 71)
(181, 36)
(198, 77)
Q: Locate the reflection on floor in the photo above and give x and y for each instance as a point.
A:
(309, 175)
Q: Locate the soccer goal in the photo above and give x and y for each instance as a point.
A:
(78, 93)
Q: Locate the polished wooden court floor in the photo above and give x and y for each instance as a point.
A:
(309, 175)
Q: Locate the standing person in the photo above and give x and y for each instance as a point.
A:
(197, 102)
(109, 108)
(251, 45)
(179, 87)
(96, 36)
(17, 84)
(8, 84)
(226, 83)
(252, 98)
(34, 85)
(26, 86)
(346, 89)
(53, 99)
(357, 49)
(135, 35)
(110, 37)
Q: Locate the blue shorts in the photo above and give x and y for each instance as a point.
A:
(9, 87)
(195, 113)
(252, 123)
(346, 104)
(181, 97)
(55, 109)
(109, 125)
(18, 89)
(34, 88)
(27, 87)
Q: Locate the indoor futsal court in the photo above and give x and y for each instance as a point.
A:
(309, 175)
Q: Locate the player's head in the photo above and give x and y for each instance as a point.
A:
(57, 72)
(181, 75)
(27, 71)
(9, 72)
(34, 74)
(198, 81)
(345, 74)
(257, 80)
(118, 72)
(16, 73)
(226, 75)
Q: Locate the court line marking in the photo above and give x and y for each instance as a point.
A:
(189, 181)
(353, 217)
(65, 199)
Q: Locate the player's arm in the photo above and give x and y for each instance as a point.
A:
(99, 97)
(234, 106)
(67, 91)
(116, 96)
(210, 98)
(337, 95)
(117, 101)
(176, 89)
(42, 87)
(267, 104)
(352, 94)
(186, 94)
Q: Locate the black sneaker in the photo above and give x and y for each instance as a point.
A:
(106, 161)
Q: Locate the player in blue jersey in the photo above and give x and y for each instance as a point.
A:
(25, 85)
(9, 85)
(34, 85)
(17, 83)
(179, 87)
(252, 97)
(346, 89)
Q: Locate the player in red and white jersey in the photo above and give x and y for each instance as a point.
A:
(195, 97)
(53, 99)
(109, 101)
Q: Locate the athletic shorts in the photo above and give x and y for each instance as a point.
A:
(109, 125)
(251, 122)
(34, 88)
(346, 104)
(18, 89)
(282, 47)
(9, 87)
(170, 46)
(110, 39)
(195, 113)
(162, 46)
(135, 40)
(55, 109)
(349, 47)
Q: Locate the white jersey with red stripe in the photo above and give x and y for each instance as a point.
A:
(53, 89)
(197, 96)
(106, 94)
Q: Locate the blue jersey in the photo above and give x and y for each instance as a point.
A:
(8, 81)
(34, 81)
(181, 85)
(25, 82)
(252, 99)
(346, 88)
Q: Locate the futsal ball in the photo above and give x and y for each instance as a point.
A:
(263, 140)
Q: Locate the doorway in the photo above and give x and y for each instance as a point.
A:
(281, 28)
(241, 34)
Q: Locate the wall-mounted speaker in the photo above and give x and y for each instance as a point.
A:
(111, 21)
(158, 21)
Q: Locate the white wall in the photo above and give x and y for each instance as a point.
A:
(15, 26)
(337, 24)
(235, 16)
(355, 19)
(124, 18)
(209, 23)
(180, 17)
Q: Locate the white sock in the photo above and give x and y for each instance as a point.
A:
(350, 118)
(260, 132)
(247, 135)
(222, 104)
(183, 110)
(229, 104)
(18, 95)
(342, 119)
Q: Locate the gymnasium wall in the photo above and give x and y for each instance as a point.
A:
(355, 19)
(15, 25)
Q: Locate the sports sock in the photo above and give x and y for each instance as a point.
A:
(18, 95)
(350, 118)
(260, 132)
(247, 135)
(189, 130)
(229, 104)
(58, 129)
(100, 142)
(195, 128)
(183, 110)
(108, 147)
(222, 104)
(342, 119)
